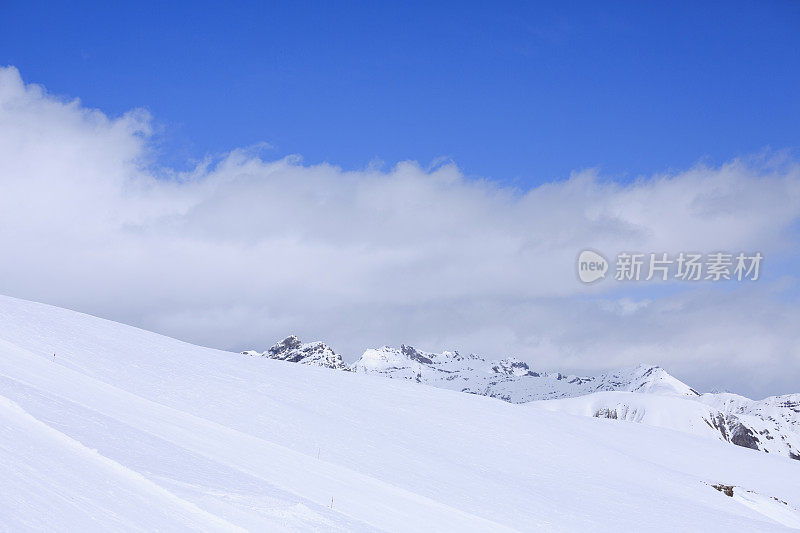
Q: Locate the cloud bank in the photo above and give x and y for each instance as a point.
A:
(240, 251)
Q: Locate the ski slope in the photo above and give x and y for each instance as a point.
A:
(129, 430)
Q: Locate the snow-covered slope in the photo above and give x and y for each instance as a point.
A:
(125, 429)
(774, 430)
(52, 482)
(771, 425)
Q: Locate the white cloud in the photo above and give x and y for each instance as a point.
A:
(240, 251)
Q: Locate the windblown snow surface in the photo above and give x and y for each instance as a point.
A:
(128, 430)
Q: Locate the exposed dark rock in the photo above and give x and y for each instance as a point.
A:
(743, 436)
(289, 343)
(606, 413)
(415, 355)
(727, 490)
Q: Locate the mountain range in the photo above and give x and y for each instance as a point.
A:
(645, 393)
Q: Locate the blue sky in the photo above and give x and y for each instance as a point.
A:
(520, 92)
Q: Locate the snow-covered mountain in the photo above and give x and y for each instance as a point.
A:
(108, 427)
(771, 425)
(508, 379)
(774, 421)
(313, 353)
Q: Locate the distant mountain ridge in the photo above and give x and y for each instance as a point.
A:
(643, 393)
(508, 379)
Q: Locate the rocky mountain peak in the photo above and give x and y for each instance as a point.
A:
(415, 355)
(289, 343)
(511, 366)
(293, 350)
